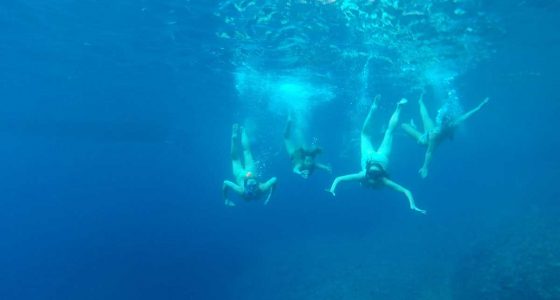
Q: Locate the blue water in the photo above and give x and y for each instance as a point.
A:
(116, 120)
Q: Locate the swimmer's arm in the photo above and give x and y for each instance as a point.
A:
(399, 188)
(349, 177)
(326, 168)
(471, 112)
(226, 187)
(427, 159)
(269, 186)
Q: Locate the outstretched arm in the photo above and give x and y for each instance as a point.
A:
(397, 187)
(297, 169)
(349, 177)
(227, 186)
(427, 159)
(269, 186)
(468, 114)
(326, 168)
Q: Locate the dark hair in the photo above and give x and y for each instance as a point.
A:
(376, 175)
(251, 190)
(446, 120)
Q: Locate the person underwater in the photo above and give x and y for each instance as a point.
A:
(375, 161)
(246, 184)
(303, 158)
(434, 133)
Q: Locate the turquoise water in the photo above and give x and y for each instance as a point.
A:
(116, 125)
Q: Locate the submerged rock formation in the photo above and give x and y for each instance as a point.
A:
(521, 261)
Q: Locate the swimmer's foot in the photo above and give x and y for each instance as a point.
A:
(235, 131)
(412, 124)
(375, 102)
(402, 102)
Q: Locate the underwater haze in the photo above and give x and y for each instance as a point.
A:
(116, 124)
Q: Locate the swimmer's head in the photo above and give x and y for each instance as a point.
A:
(309, 155)
(444, 118)
(446, 121)
(308, 161)
(375, 171)
(251, 188)
(251, 183)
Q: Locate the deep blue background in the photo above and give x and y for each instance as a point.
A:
(115, 135)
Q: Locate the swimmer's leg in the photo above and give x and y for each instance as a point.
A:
(237, 166)
(288, 141)
(427, 122)
(412, 132)
(368, 120)
(365, 136)
(385, 148)
(247, 155)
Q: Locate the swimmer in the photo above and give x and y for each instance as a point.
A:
(435, 133)
(374, 162)
(246, 183)
(303, 159)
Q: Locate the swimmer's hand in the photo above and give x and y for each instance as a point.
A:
(422, 211)
(423, 172)
(304, 174)
(229, 203)
(483, 102)
(272, 187)
(331, 192)
(268, 197)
